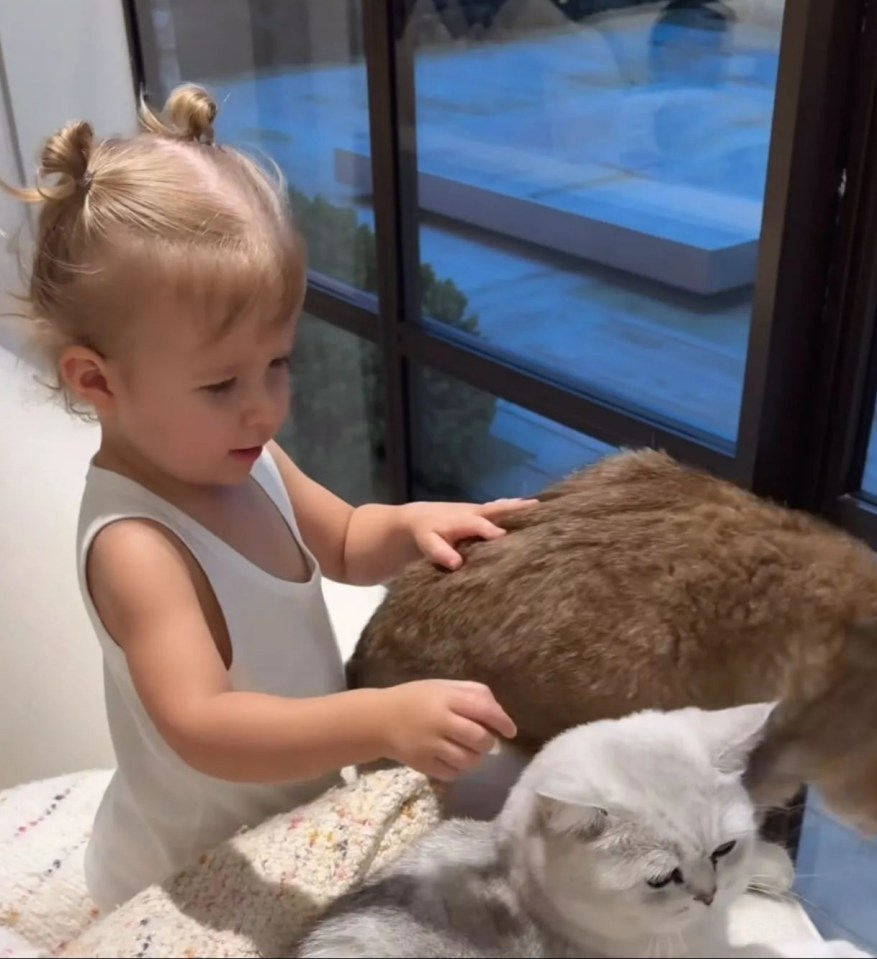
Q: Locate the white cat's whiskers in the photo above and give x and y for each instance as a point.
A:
(805, 901)
(665, 946)
(683, 945)
(765, 884)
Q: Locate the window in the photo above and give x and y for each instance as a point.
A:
(578, 205)
(471, 445)
(291, 81)
(541, 230)
(837, 877)
(594, 184)
(869, 472)
(336, 430)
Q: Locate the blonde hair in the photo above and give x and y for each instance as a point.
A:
(165, 211)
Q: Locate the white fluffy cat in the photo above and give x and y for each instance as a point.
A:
(622, 838)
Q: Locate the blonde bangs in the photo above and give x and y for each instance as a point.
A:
(220, 287)
(214, 286)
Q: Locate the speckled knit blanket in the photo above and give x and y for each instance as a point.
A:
(252, 896)
(44, 827)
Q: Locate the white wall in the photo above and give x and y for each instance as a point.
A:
(51, 697)
(66, 61)
(61, 60)
(9, 212)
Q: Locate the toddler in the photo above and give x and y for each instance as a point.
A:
(166, 284)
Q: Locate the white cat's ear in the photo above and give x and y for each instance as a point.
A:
(562, 818)
(733, 733)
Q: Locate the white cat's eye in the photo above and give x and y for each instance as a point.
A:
(723, 850)
(675, 876)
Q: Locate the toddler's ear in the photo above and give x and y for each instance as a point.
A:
(84, 376)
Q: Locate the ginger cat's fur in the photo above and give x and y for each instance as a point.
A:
(640, 583)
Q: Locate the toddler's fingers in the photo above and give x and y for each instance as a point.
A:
(481, 526)
(458, 758)
(472, 736)
(469, 686)
(484, 709)
(438, 769)
(440, 551)
(498, 507)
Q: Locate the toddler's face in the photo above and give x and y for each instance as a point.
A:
(201, 408)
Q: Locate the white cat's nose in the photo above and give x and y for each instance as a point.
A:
(701, 881)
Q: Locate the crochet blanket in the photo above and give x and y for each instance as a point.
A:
(254, 895)
(44, 827)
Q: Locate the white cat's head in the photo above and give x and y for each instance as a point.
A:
(639, 827)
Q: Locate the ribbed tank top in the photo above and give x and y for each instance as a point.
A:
(158, 813)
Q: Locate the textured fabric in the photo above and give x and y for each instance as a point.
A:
(44, 828)
(256, 894)
(12, 946)
(252, 896)
(159, 813)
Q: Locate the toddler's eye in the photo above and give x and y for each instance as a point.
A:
(723, 850)
(222, 387)
(282, 362)
(661, 881)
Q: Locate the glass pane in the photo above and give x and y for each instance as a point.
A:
(591, 177)
(290, 81)
(337, 427)
(837, 878)
(469, 445)
(869, 477)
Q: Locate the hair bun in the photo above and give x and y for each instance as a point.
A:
(67, 154)
(188, 115)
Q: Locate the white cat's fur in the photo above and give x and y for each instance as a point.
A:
(620, 803)
(565, 869)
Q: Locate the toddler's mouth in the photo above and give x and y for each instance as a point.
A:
(248, 453)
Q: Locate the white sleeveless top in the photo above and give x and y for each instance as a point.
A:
(158, 814)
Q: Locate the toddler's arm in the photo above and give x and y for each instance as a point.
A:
(372, 543)
(150, 594)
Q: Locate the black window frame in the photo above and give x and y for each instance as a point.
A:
(811, 370)
(809, 146)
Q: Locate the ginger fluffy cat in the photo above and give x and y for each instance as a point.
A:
(642, 584)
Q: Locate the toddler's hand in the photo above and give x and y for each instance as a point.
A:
(438, 527)
(441, 727)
